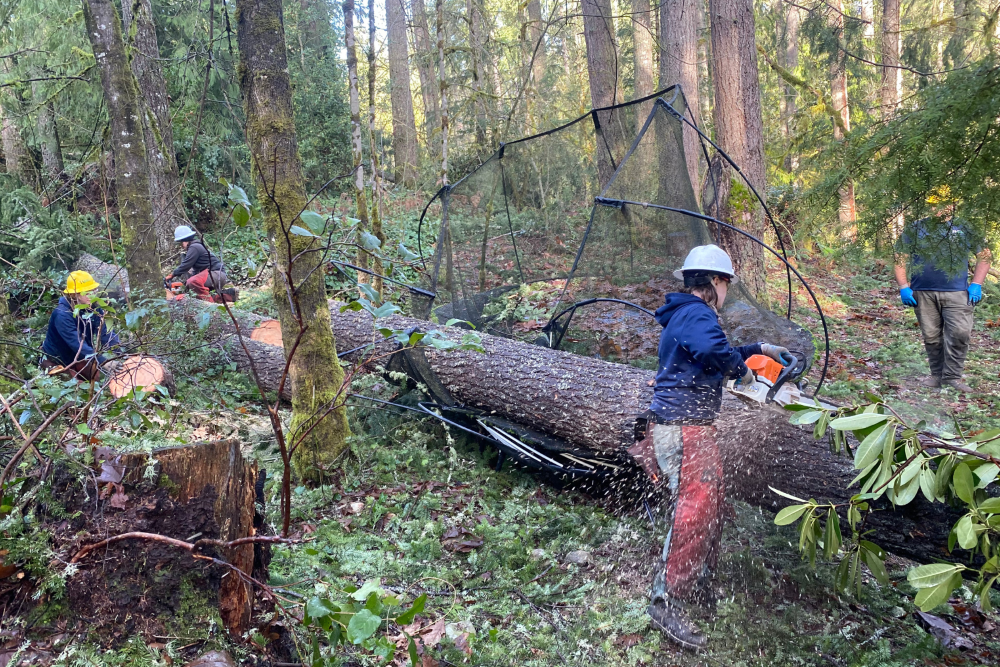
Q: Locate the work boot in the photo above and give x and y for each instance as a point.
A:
(675, 624)
(932, 382)
(959, 386)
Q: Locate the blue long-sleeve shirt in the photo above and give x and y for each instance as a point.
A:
(695, 358)
(70, 337)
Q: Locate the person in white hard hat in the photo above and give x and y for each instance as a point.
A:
(695, 358)
(201, 269)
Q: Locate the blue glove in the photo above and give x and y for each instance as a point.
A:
(906, 294)
(975, 293)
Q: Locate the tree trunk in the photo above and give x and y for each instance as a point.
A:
(955, 52)
(157, 126)
(791, 63)
(705, 96)
(319, 419)
(203, 491)
(121, 97)
(404, 129)
(892, 76)
(424, 56)
(642, 39)
(739, 132)
(838, 85)
(11, 356)
(443, 84)
(360, 200)
(48, 134)
(868, 15)
(16, 155)
(679, 64)
(592, 404)
(536, 47)
(314, 28)
(376, 216)
(603, 70)
(475, 20)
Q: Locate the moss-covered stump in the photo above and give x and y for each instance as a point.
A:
(201, 491)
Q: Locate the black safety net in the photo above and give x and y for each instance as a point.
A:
(570, 238)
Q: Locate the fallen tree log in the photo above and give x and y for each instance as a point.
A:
(592, 403)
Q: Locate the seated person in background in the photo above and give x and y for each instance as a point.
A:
(70, 340)
(201, 269)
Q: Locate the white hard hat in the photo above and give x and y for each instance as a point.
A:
(709, 258)
(183, 233)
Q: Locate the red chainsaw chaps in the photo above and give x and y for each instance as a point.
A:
(697, 527)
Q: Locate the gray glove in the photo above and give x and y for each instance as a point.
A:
(775, 352)
(748, 378)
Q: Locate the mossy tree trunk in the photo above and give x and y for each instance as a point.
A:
(16, 155)
(314, 372)
(404, 127)
(360, 199)
(121, 96)
(164, 177)
(48, 136)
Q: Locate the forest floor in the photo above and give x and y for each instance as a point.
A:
(519, 572)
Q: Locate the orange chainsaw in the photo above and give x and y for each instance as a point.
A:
(771, 384)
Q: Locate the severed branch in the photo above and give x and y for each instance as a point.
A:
(193, 548)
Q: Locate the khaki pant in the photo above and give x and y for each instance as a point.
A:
(946, 322)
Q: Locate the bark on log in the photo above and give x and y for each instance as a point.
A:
(202, 491)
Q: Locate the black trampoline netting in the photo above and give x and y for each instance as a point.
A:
(569, 238)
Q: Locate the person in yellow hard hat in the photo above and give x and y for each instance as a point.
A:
(76, 335)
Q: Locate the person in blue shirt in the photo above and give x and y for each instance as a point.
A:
(76, 336)
(937, 251)
(678, 448)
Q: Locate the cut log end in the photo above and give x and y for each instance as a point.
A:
(143, 373)
(268, 332)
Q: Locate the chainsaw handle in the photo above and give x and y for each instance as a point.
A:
(786, 373)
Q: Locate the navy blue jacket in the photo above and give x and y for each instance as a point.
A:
(695, 359)
(71, 338)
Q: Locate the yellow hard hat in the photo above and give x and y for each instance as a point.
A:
(79, 282)
(940, 195)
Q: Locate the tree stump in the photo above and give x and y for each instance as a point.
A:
(202, 491)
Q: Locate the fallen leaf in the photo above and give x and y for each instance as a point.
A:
(626, 641)
(118, 499)
(355, 508)
(431, 636)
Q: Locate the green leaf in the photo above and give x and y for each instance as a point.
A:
(964, 485)
(840, 579)
(809, 417)
(411, 648)
(929, 598)
(241, 215)
(203, 319)
(855, 422)
(966, 533)
(300, 231)
(407, 616)
(875, 565)
(369, 587)
(385, 310)
(790, 514)
(369, 241)
(314, 221)
(927, 576)
(942, 478)
(238, 195)
(318, 608)
(906, 492)
(369, 292)
(984, 594)
(870, 447)
(406, 253)
(454, 320)
(821, 426)
(83, 429)
(831, 536)
(986, 474)
(362, 626)
(990, 506)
